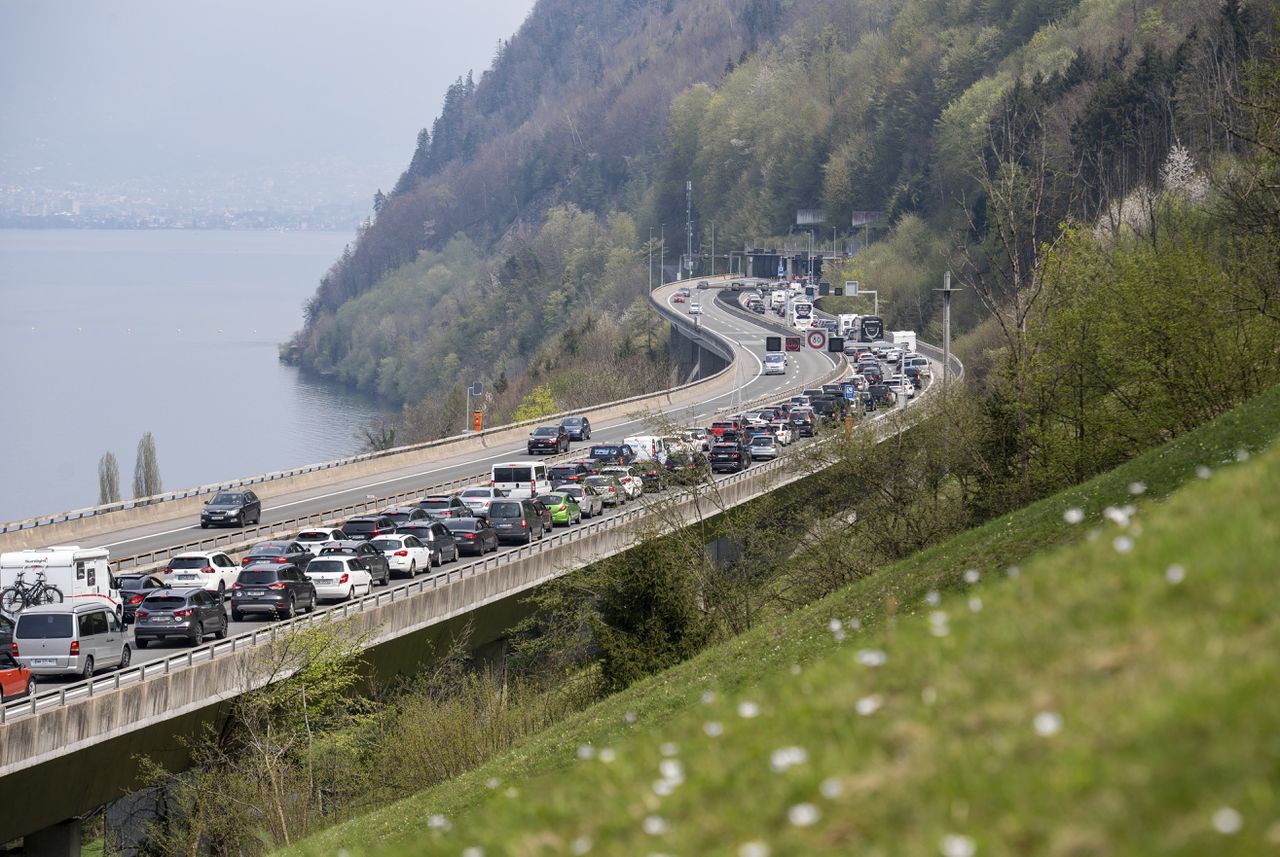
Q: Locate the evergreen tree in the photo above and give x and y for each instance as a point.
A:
(108, 479)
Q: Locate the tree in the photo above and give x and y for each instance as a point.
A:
(146, 471)
(108, 479)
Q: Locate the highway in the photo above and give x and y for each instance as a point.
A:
(743, 382)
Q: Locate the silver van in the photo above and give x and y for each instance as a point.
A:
(70, 639)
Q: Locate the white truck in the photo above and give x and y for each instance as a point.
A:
(905, 339)
(777, 299)
(60, 574)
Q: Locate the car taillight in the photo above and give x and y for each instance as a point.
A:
(245, 561)
(236, 586)
(168, 570)
(280, 559)
(468, 535)
(344, 578)
(524, 524)
(75, 647)
(533, 487)
(13, 649)
(208, 569)
(374, 534)
(280, 585)
(402, 553)
(182, 614)
(136, 599)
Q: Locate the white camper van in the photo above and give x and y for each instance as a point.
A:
(63, 574)
(520, 478)
(905, 339)
(648, 447)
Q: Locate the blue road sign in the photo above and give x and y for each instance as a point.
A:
(782, 270)
(850, 391)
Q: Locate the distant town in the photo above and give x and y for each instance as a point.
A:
(224, 203)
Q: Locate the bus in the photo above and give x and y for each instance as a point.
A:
(800, 313)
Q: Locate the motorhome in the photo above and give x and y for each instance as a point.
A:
(66, 574)
(799, 313)
(847, 323)
(905, 339)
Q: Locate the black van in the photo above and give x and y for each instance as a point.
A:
(516, 520)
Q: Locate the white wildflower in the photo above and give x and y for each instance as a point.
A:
(1227, 821)
(956, 845)
(803, 815)
(787, 757)
(869, 705)
(1048, 723)
(1073, 515)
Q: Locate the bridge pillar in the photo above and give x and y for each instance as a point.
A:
(58, 840)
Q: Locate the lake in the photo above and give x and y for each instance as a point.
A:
(108, 334)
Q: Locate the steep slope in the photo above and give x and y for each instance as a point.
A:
(1114, 695)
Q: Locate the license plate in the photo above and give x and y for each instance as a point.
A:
(256, 592)
(187, 577)
(43, 662)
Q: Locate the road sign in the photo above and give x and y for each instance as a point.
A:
(773, 344)
(850, 391)
(851, 288)
(835, 344)
(817, 339)
(782, 270)
(793, 343)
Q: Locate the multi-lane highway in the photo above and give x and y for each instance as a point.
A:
(744, 381)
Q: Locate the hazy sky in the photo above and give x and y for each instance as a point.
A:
(104, 91)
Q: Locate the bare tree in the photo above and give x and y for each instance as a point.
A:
(146, 470)
(108, 479)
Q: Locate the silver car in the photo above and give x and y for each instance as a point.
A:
(70, 639)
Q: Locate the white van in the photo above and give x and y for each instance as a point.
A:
(520, 478)
(648, 447)
(70, 574)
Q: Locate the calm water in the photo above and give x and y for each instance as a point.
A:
(105, 335)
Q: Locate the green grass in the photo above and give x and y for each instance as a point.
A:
(1167, 694)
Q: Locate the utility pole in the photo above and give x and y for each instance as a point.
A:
(688, 225)
(947, 291)
(650, 258)
(713, 248)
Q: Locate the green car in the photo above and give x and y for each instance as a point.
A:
(564, 508)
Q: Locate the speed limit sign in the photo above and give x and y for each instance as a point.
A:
(816, 339)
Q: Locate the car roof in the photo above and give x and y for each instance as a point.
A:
(40, 609)
(343, 543)
(268, 566)
(197, 554)
(177, 590)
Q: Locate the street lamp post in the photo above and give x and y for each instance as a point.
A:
(650, 258)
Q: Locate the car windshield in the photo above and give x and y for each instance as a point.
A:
(762, 440)
(314, 536)
(359, 527)
(268, 549)
(323, 565)
(227, 500)
(164, 602)
(435, 503)
(506, 510)
(571, 421)
(477, 492)
(130, 580)
(546, 431)
(463, 525)
(398, 517)
(189, 562)
(551, 500)
(385, 545)
(266, 575)
(47, 627)
(512, 474)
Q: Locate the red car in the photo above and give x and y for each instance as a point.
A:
(15, 680)
(678, 298)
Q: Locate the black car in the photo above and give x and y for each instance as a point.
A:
(280, 590)
(188, 612)
(365, 527)
(548, 439)
(729, 457)
(379, 568)
(476, 536)
(579, 428)
(231, 509)
(516, 520)
(134, 588)
(441, 506)
(405, 514)
(571, 471)
(279, 552)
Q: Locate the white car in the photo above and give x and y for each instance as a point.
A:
(337, 578)
(782, 431)
(312, 539)
(695, 309)
(406, 554)
(697, 438)
(478, 499)
(775, 364)
(630, 483)
(212, 570)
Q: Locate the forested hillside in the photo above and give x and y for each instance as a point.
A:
(980, 128)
